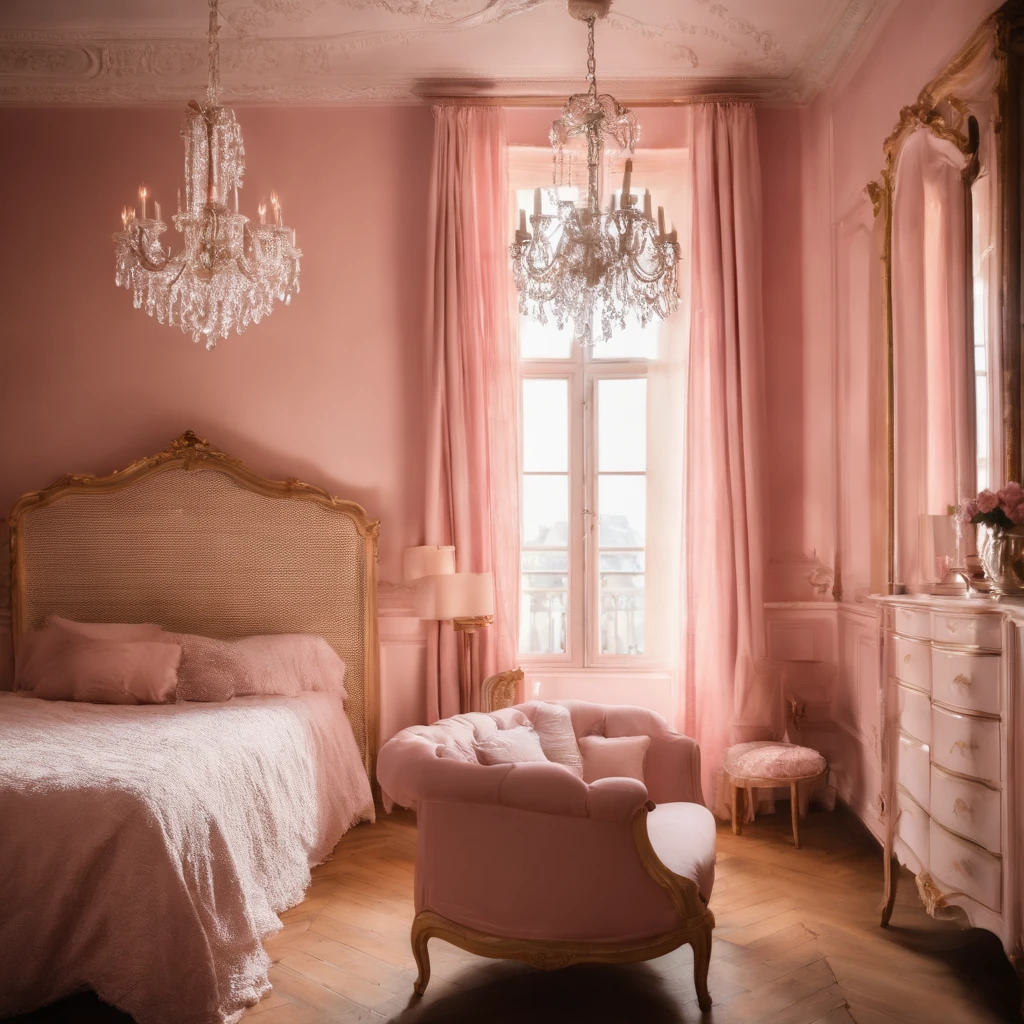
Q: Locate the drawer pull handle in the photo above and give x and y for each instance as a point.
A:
(965, 748)
(951, 627)
(906, 659)
(963, 867)
(961, 806)
(962, 681)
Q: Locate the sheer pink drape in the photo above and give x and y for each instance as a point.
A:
(471, 375)
(930, 344)
(731, 692)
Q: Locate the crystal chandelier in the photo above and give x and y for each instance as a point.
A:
(229, 271)
(581, 264)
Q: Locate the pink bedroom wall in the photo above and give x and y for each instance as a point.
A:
(914, 44)
(327, 389)
(798, 453)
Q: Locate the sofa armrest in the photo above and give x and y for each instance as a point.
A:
(673, 769)
(616, 799)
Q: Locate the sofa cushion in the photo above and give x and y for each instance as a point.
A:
(606, 757)
(554, 728)
(683, 836)
(510, 746)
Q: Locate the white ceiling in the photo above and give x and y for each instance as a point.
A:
(67, 51)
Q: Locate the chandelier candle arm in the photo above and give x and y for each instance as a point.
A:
(229, 272)
(580, 264)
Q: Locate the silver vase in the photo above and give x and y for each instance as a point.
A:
(1002, 558)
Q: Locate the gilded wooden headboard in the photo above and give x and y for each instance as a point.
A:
(193, 540)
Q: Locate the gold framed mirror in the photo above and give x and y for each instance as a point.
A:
(949, 204)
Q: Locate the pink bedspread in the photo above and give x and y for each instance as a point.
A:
(145, 851)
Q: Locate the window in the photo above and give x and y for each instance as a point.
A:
(584, 508)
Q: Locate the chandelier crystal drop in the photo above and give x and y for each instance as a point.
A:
(229, 272)
(581, 264)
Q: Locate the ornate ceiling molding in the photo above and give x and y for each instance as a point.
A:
(262, 64)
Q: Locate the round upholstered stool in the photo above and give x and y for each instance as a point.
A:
(765, 764)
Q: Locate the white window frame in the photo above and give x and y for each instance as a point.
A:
(528, 169)
(583, 641)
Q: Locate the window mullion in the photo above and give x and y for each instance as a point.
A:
(591, 606)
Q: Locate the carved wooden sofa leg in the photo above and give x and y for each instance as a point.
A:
(420, 937)
(701, 944)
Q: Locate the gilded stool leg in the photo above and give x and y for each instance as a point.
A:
(420, 937)
(737, 821)
(701, 943)
(795, 801)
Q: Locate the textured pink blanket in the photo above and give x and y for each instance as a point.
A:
(145, 851)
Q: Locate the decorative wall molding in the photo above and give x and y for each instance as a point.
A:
(800, 577)
(315, 51)
(395, 600)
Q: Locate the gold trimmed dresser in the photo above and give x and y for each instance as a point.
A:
(952, 694)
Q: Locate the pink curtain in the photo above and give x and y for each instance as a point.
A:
(934, 378)
(472, 442)
(731, 692)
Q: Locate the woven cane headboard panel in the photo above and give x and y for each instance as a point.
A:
(194, 541)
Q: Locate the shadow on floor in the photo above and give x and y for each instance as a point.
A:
(597, 994)
(973, 955)
(85, 1008)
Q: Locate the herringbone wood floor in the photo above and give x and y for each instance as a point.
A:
(797, 942)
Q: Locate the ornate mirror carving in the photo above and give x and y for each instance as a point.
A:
(949, 204)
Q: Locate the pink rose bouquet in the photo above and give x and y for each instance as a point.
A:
(1001, 510)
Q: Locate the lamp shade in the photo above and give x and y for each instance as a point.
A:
(428, 560)
(460, 595)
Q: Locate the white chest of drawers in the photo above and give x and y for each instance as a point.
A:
(952, 697)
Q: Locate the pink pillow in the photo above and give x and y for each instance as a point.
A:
(553, 724)
(510, 746)
(38, 648)
(209, 669)
(289, 664)
(607, 757)
(106, 672)
(284, 663)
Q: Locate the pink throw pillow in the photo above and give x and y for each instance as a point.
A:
(289, 664)
(284, 664)
(37, 649)
(607, 757)
(104, 672)
(553, 725)
(209, 669)
(510, 746)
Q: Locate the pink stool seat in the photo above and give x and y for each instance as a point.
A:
(769, 763)
(766, 759)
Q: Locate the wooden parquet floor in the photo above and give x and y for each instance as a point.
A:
(797, 942)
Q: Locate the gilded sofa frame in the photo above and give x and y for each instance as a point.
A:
(696, 923)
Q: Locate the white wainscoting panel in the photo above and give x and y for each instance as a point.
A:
(856, 710)
(403, 663)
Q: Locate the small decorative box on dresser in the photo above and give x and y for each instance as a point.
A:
(953, 757)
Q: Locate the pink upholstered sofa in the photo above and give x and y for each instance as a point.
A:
(526, 861)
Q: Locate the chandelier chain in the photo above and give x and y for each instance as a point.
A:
(581, 264)
(591, 59)
(213, 82)
(229, 271)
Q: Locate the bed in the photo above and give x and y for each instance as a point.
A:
(145, 851)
